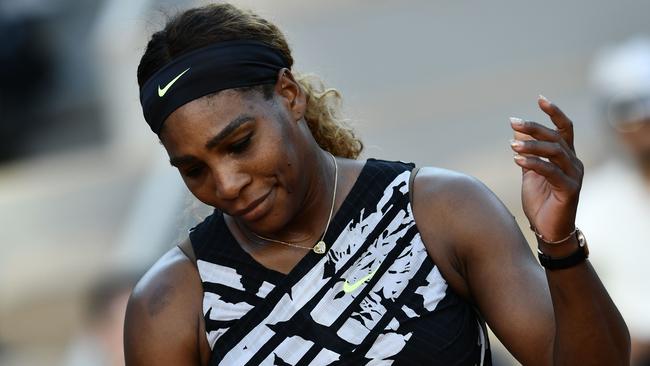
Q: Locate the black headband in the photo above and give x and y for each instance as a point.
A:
(224, 65)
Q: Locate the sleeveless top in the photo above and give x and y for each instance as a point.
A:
(374, 298)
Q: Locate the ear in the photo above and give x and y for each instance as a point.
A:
(291, 94)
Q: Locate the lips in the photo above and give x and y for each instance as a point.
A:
(250, 210)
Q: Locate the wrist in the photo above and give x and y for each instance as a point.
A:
(557, 241)
(559, 251)
(570, 253)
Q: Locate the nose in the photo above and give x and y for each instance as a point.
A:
(229, 181)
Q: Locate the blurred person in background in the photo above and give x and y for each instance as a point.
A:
(314, 257)
(615, 203)
(101, 342)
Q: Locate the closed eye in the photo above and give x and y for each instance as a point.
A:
(193, 172)
(241, 145)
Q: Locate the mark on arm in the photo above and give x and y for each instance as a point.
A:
(160, 298)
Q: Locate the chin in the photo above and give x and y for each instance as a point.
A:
(258, 217)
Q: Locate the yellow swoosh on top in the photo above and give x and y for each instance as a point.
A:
(347, 287)
(163, 91)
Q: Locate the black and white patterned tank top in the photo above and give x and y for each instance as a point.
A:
(375, 297)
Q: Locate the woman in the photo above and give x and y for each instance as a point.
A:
(313, 258)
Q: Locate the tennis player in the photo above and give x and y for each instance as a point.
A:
(313, 257)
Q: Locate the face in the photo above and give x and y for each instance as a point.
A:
(637, 141)
(242, 154)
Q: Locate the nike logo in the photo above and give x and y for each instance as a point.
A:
(163, 91)
(347, 287)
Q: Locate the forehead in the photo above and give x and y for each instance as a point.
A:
(208, 115)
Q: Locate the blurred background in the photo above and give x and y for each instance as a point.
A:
(88, 200)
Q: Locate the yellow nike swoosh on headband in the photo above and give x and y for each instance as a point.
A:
(163, 91)
(347, 287)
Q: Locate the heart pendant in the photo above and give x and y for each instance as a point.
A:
(320, 247)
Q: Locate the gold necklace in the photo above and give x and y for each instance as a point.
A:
(320, 247)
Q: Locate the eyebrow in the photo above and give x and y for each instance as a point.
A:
(181, 160)
(229, 129)
(233, 126)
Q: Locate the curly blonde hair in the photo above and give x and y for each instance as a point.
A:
(202, 26)
(325, 120)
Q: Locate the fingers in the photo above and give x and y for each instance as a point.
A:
(553, 151)
(539, 132)
(561, 121)
(553, 174)
(535, 130)
(548, 152)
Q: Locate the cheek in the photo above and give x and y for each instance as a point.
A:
(271, 154)
(202, 189)
(645, 136)
(639, 141)
(288, 165)
(293, 181)
(275, 163)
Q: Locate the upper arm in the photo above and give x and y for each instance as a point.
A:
(479, 248)
(163, 317)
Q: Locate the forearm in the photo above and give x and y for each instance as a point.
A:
(589, 330)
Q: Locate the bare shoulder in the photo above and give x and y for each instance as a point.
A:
(458, 217)
(451, 189)
(163, 324)
(173, 276)
(461, 204)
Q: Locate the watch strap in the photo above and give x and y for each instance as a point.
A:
(571, 260)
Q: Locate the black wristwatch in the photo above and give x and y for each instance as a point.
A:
(571, 260)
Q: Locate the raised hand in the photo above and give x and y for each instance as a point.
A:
(552, 173)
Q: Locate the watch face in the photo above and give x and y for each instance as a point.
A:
(583, 242)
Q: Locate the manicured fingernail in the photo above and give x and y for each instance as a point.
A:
(519, 157)
(516, 143)
(516, 121)
(541, 97)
